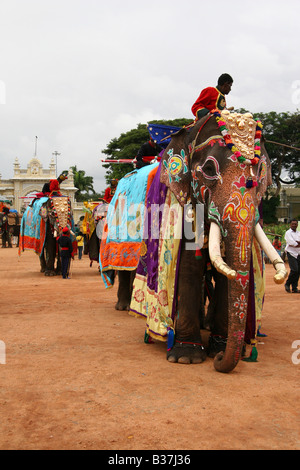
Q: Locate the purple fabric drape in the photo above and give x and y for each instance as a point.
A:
(149, 261)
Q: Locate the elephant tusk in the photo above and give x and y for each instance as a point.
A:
(267, 247)
(215, 253)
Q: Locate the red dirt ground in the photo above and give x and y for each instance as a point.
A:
(78, 375)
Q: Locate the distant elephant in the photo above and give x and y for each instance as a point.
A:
(41, 224)
(14, 222)
(219, 167)
(92, 227)
(5, 229)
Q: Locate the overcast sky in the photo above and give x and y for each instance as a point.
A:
(77, 73)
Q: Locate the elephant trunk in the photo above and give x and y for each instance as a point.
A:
(237, 298)
(238, 291)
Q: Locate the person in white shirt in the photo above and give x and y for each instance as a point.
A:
(292, 249)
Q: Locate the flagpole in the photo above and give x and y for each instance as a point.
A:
(35, 151)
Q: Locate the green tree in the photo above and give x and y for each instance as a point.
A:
(269, 209)
(282, 134)
(127, 145)
(83, 183)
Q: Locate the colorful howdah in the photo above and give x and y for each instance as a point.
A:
(154, 287)
(124, 228)
(33, 228)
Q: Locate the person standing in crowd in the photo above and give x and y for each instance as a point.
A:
(277, 244)
(66, 252)
(292, 249)
(80, 242)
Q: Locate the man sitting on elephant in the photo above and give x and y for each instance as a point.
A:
(148, 149)
(110, 191)
(213, 97)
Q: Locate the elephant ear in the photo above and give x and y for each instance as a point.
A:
(175, 172)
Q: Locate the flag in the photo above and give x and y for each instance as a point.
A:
(162, 134)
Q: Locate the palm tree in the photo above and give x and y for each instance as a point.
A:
(82, 182)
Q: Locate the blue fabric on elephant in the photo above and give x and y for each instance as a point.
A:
(128, 207)
(124, 228)
(33, 228)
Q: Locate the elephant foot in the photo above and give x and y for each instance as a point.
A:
(50, 273)
(216, 344)
(184, 352)
(122, 306)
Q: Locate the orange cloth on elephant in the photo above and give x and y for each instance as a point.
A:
(210, 98)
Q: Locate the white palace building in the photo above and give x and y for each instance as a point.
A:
(26, 182)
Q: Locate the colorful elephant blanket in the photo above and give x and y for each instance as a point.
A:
(155, 282)
(33, 228)
(124, 228)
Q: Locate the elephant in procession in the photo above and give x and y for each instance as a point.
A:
(41, 225)
(92, 227)
(10, 221)
(208, 188)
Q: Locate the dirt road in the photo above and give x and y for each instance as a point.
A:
(78, 375)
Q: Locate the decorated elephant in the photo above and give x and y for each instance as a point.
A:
(14, 222)
(41, 224)
(218, 168)
(92, 227)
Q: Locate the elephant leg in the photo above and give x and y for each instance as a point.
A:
(58, 269)
(188, 346)
(3, 240)
(217, 315)
(50, 249)
(43, 262)
(126, 279)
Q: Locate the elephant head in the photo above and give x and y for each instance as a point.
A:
(58, 211)
(221, 162)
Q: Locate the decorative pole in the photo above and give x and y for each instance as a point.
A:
(56, 154)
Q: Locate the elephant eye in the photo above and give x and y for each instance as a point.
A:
(209, 168)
